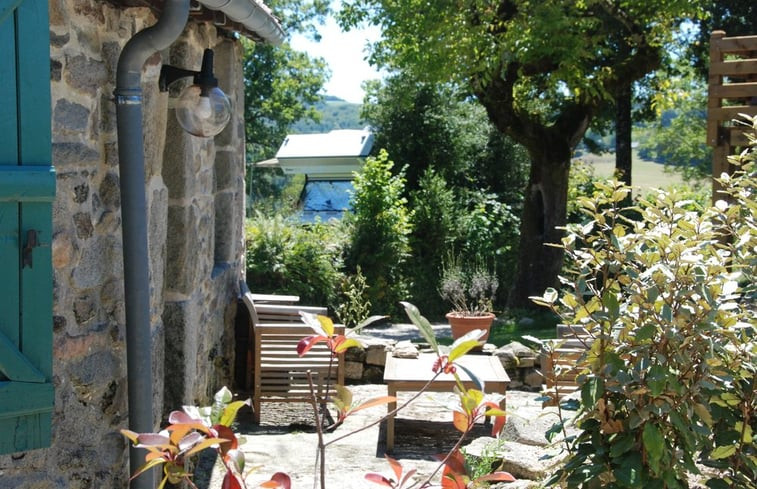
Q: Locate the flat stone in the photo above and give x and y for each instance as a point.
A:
(529, 462)
(376, 355)
(405, 349)
(534, 379)
(527, 424)
(511, 354)
(526, 362)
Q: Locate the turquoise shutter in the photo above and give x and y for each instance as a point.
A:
(27, 188)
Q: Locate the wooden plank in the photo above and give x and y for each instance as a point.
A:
(734, 90)
(287, 310)
(273, 298)
(16, 366)
(9, 243)
(734, 67)
(737, 136)
(727, 114)
(7, 9)
(34, 90)
(25, 416)
(8, 101)
(736, 44)
(27, 183)
(10, 266)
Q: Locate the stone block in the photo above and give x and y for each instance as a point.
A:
(353, 370)
(511, 355)
(183, 249)
(227, 227)
(228, 170)
(100, 260)
(69, 116)
(375, 355)
(526, 362)
(355, 354)
(534, 379)
(373, 375)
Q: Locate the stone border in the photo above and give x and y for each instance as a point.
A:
(366, 366)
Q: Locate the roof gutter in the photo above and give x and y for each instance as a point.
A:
(253, 15)
(131, 162)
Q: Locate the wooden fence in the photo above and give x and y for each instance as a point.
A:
(732, 91)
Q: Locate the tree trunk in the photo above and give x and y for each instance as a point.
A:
(623, 153)
(544, 209)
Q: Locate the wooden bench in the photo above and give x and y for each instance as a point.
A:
(561, 362)
(278, 373)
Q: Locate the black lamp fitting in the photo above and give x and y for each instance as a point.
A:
(204, 78)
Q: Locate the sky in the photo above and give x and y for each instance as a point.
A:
(345, 53)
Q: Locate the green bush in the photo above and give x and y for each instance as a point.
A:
(489, 234)
(380, 226)
(435, 228)
(669, 379)
(286, 257)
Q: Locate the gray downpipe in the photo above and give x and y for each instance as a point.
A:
(131, 162)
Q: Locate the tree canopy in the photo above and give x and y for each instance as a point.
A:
(541, 69)
(280, 87)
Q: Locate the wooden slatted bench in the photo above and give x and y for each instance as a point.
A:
(561, 362)
(279, 374)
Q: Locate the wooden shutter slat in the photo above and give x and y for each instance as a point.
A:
(16, 366)
(27, 184)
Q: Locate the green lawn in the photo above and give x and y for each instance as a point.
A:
(513, 325)
(644, 173)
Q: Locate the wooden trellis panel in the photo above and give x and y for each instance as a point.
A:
(732, 91)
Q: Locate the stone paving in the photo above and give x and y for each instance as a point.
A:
(285, 441)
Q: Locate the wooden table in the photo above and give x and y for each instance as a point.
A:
(411, 374)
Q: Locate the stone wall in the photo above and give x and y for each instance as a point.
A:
(195, 191)
(366, 364)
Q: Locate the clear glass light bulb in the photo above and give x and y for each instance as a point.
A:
(203, 109)
(203, 115)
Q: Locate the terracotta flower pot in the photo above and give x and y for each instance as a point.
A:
(461, 324)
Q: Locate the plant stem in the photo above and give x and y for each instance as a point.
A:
(392, 413)
(446, 457)
(321, 453)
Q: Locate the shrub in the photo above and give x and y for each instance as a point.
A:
(381, 224)
(489, 231)
(435, 216)
(286, 257)
(669, 300)
(353, 308)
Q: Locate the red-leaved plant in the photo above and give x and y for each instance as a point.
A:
(193, 430)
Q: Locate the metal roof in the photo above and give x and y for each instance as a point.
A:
(332, 155)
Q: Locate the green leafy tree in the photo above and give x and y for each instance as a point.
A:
(677, 138)
(280, 87)
(735, 17)
(542, 70)
(433, 125)
(381, 224)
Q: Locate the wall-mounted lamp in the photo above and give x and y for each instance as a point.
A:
(202, 109)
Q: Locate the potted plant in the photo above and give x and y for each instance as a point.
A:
(471, 294)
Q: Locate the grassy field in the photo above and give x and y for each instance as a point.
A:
(645, 174)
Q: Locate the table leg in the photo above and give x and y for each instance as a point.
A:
(392, 392)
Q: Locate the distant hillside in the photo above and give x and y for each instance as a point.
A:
(335, 114)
